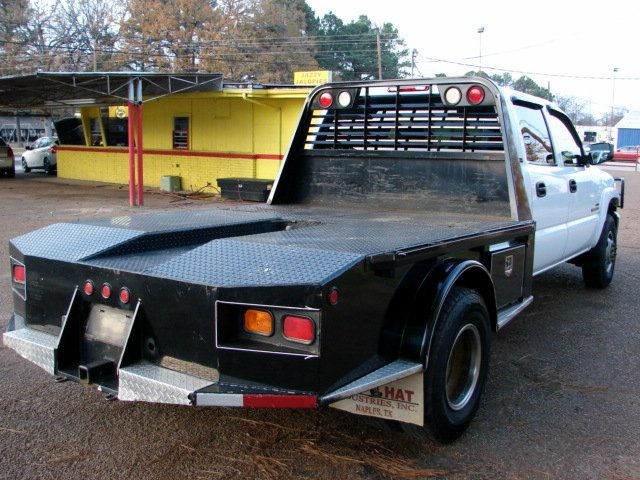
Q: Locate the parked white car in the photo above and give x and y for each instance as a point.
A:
(41, 155)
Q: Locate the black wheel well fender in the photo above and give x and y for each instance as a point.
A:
(428, 296)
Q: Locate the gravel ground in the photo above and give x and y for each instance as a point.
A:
(562, 398)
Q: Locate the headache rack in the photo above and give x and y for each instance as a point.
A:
(405, 118)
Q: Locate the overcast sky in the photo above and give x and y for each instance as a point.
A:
(583, 39)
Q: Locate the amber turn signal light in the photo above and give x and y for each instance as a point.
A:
(258, 321)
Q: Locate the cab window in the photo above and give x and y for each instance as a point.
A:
(535, 135)
(567, 150)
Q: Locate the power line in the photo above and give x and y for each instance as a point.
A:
(524, 72)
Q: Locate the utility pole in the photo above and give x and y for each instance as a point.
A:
(379, 55)
(613, 99)
(95, 59)
(480, 32)
(414, 53)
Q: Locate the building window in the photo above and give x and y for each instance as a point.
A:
(181, 133)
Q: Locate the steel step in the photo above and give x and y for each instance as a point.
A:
(509, 313)
(387, 374)
(36, 346)
(147, 382)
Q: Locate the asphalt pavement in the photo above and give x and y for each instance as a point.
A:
(562, 399)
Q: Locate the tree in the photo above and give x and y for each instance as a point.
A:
(86, 32)
(609, 120)
(14, 36)
(351, 49)
(523, 84)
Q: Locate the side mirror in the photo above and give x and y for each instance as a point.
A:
(28, 147)
(600, 153)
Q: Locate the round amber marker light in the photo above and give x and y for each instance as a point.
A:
(258, 321)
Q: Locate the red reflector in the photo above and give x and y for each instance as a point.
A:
(125, 295)
(475, 95)
(298, 329)
(325, 100)
(333, 296)
(280, 401)
(106, 291)
(19, 274)
(88, 288)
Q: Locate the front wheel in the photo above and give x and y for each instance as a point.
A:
(25, 166)
(458, 364)
(601, 260)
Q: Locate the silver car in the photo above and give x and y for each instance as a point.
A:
(41, 154)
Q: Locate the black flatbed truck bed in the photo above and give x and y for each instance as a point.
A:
(362, 245)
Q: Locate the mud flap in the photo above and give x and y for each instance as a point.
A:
(401, 400)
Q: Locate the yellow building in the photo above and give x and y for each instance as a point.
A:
(241, 131)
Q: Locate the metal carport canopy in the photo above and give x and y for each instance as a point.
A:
(51, 89)
(74, 89)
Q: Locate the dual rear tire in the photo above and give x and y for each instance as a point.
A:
(457, 366)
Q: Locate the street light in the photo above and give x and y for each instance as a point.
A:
(480, 32)
(613, 98)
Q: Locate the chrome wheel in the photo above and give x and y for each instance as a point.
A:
(463, 367)
(610, 252)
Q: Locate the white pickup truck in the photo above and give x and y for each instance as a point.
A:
(406, 224)
(572, 202)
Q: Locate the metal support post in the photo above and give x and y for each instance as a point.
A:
(139, 144)
(131, 142)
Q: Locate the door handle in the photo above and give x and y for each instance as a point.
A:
(541, 189)
(573, 186)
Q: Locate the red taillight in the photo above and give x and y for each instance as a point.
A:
(298, 329)
(10, 152)
(125, 295)
(475, 95)
(19, 274)
(105, 291)
(325, 100)
(54, 149)
(88, 288)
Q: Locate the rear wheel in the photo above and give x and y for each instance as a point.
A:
(601, 261)
(11, 172)
(46, 165)
(458, 364)
(25, 166)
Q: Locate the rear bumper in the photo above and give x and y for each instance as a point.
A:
(144, 381)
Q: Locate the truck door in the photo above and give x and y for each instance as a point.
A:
(546, 185)
(584, 208)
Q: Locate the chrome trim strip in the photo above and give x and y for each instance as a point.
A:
(509, 313)
(387, 374)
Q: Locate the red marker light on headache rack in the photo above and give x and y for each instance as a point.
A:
(475, 95)
(325, 100)
(19, 274)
